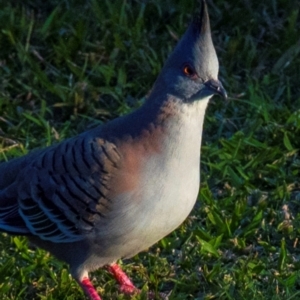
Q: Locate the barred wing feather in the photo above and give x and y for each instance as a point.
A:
(62, 192)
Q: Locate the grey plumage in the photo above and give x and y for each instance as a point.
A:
(117, 189)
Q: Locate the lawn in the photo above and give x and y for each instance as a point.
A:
(68, 65)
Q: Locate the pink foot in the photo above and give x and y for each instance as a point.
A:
(89, 289)
(126, 285)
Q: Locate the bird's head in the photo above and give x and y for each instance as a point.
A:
(191, 72)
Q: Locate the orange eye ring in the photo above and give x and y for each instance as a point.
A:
(189, 71)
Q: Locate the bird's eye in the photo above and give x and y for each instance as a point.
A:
(189, 71)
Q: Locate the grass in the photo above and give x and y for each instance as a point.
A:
(70, 65)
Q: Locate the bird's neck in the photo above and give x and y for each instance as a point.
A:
(175, 116)
(169, 119)
(177, 125)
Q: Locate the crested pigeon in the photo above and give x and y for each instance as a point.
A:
(117, 189)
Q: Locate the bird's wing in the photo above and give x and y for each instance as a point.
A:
(61, 193)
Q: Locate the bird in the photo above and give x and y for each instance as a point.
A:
(115, 190)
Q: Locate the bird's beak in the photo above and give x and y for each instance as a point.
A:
(216, 87)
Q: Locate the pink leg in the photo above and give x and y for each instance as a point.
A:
(126, 285)
(89, 289)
